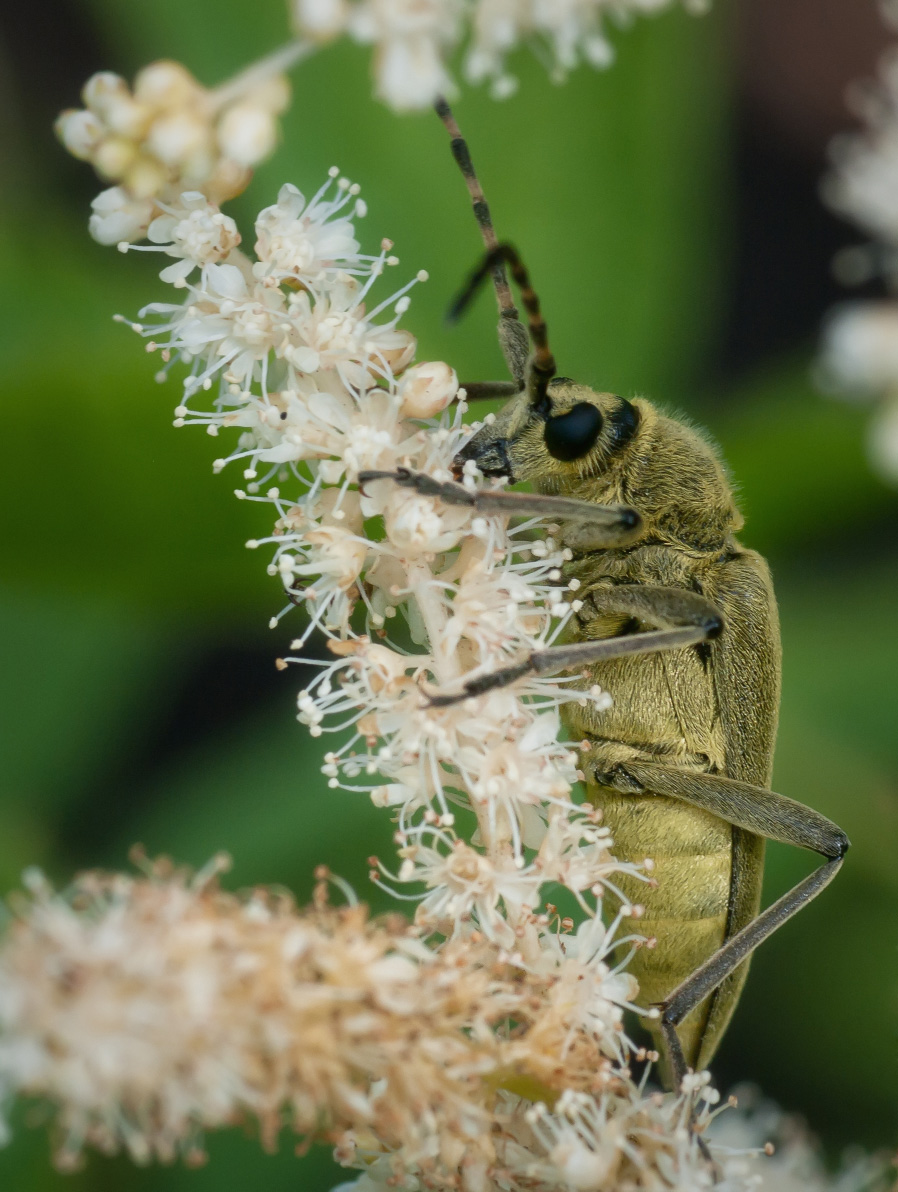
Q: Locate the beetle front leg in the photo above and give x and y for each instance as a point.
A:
(616, 525)
(489, 390)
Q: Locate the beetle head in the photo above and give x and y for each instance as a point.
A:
(571, 435)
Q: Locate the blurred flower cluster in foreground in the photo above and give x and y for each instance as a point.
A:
(150, 1009)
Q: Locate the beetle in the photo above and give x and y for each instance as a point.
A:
(679, 623)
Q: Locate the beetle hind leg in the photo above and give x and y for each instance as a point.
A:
(759, 813)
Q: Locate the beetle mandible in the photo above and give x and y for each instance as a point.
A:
(679, 622)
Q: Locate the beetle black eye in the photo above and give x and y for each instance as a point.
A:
(570, 436)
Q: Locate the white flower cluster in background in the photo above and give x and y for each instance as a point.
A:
(169, 135)
(860, 345)
(413, 39)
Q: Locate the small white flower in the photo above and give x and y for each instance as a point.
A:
(465, 885)
(247, 133)
(194, 231)
(320, 20)
(117, 218)
(299, 239)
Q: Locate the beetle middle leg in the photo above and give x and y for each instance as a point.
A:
(763, 813)
(683, 618)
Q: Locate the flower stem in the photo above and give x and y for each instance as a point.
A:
(272, 64)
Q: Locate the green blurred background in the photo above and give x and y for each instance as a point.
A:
(668, 210)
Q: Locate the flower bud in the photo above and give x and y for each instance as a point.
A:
(113, 156)
(80, 131)
(145, 178)
(227, 180)
(426, 389)
(166, 85)
(319, 19)
(103, 91)
(398, 349)
(174, 138)
(129, 119)
(247, 133)
(116, 217)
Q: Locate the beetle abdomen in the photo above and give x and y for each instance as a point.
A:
(686, 906)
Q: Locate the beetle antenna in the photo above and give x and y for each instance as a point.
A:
(542, 363)
(462, 155)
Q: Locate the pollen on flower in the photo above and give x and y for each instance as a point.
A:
(146, 1009)
(325, 393)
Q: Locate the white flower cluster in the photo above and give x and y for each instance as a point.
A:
(414, 38)
(483, 1048)
(860, 344)
(415, 595)
(169, 134)
(588, 1144)
(288, 350)
(144, 1010)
